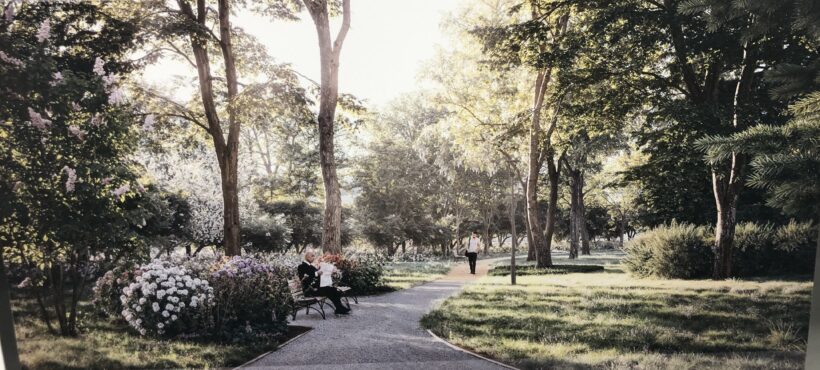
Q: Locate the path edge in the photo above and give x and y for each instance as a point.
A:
(272, 351)
(457, 348)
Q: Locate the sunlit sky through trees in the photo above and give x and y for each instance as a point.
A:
(387, 43)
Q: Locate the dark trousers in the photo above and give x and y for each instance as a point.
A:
(333, 295)
(472, 257)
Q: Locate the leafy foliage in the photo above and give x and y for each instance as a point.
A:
(683, 251)
(66, 136)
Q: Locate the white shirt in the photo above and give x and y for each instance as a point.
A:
(472, 245)
(326, 278)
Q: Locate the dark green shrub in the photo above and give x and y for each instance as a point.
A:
(796, 244)
(685, 251)
(680, 251)
(252, 300)
(753, 249)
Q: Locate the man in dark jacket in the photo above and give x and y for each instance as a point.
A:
(309, 275)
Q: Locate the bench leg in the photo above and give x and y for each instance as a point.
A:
(322, 312)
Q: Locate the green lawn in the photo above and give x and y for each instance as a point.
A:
(610, 320)
(403, 275)
(107, 345)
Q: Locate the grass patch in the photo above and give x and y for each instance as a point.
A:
(104, 344)
(504, 270)
(403, 275)
(611, 320)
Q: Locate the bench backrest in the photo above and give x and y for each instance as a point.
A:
(296, 289)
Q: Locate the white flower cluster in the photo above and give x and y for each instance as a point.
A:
(161, 295)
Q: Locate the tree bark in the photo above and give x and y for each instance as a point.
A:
(534, 169)
(621, 229)
(227, 151)
(530, 245)
(582, 217)
(545, 258)
(329, 52)
(488, 241)
(574, 229)
(8, 341)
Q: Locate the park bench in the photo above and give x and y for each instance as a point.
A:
(300, 301)
(309, 303)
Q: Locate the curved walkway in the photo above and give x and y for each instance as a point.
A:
(383, 332)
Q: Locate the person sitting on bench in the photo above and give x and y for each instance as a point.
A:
(308, 273)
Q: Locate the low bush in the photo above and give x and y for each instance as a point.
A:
(685, 251)
(675, 251)
(227, 299)
(108, 289)
(166, 300)
(363, 273)
(555, 269)
(251, 299)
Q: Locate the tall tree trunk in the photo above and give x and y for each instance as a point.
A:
(727, 181)
(582, 218)
(726, 197)
(621, 229)
(8, 343)
(227, 151)
(545, 258)
(530, 245)
(574, 229)
(230, 183)
(329, 52)
(534, 169)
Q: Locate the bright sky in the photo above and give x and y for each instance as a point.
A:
(387, 43)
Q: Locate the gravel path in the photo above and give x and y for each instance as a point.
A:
(383, 332)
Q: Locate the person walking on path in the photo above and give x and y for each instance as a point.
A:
(472, 251)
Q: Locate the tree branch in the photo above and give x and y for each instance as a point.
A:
(340, 37)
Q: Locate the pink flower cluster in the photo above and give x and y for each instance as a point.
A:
(37, 120)
(11, 60)
(44, 31)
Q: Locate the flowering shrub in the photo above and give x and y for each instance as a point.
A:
(108, 289)
(284, 261)
(363, 273)
(165, 299)
(252, 299)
